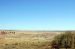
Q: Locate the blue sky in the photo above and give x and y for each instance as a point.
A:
(37, 14)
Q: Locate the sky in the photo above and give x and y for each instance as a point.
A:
(37, 14)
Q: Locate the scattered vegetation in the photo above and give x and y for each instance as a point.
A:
(65, 40)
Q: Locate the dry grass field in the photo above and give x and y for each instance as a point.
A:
(26, 40)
